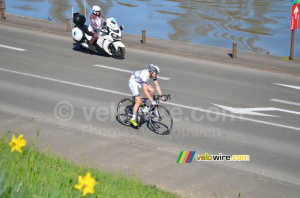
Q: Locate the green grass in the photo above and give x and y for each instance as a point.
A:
(42, 174)
(287, 58)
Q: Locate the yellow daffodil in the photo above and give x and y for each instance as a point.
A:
(17, 143)
(86, 184)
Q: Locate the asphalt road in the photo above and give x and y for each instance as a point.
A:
(42, 70)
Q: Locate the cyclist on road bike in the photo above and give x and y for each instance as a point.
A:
(139, 79)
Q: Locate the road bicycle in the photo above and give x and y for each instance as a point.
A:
(158, 118)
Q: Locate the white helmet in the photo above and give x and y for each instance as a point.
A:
(153, 68)
(96, 9)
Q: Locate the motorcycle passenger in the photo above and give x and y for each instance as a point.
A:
(96, 22)
(139, 79)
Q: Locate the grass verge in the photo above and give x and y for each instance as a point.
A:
(41, 174)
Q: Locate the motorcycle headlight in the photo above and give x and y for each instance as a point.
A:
(115, 36)
(116, 31)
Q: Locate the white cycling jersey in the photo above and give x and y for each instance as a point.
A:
(136, 80)
(142, 76)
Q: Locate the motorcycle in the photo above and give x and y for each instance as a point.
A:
(109, 39)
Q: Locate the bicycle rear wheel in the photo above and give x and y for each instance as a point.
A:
(160, 120)
(124, 111)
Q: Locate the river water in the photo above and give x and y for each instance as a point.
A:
(256, 25)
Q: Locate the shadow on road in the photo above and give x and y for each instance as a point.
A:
(78, 48)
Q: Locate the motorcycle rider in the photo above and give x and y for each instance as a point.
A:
(96, 22)
(139, 79)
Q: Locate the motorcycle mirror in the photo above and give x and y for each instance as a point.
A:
(122, 27)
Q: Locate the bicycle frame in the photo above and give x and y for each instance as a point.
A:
(143, 116)
(156, 115)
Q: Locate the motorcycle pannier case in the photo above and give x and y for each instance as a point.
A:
(77, 34)
(78, 19)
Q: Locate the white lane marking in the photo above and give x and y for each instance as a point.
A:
(114, 68)
(174, 104)
(127, 71)
(248, 111)
(237, 117)
(290, 86)
(252, 111)
(13, 48)
(65, 82)
(285, 102)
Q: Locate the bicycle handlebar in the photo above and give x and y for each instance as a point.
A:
(166, 96)
(157, 96)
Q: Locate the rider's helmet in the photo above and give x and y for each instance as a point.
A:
(153, 68)
(96, 9)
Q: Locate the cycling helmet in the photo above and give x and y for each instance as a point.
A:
(154, 69)
(96, 9)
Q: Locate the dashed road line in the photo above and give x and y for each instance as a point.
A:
(13, 48)
(285, 102)
(289, 86)
(127, 71)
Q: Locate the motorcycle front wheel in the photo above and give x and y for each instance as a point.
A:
(118, 53)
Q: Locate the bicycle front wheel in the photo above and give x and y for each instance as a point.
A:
(124, 111)
(160, 120)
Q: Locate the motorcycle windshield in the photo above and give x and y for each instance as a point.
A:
(114, 25)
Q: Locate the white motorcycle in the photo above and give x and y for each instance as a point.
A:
(109, 39)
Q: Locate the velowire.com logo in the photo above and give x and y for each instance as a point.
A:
(207, 157)
(188, 159)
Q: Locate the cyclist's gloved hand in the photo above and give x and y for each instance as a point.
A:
(153, 103)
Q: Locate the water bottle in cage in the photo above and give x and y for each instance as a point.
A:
(146, 109)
